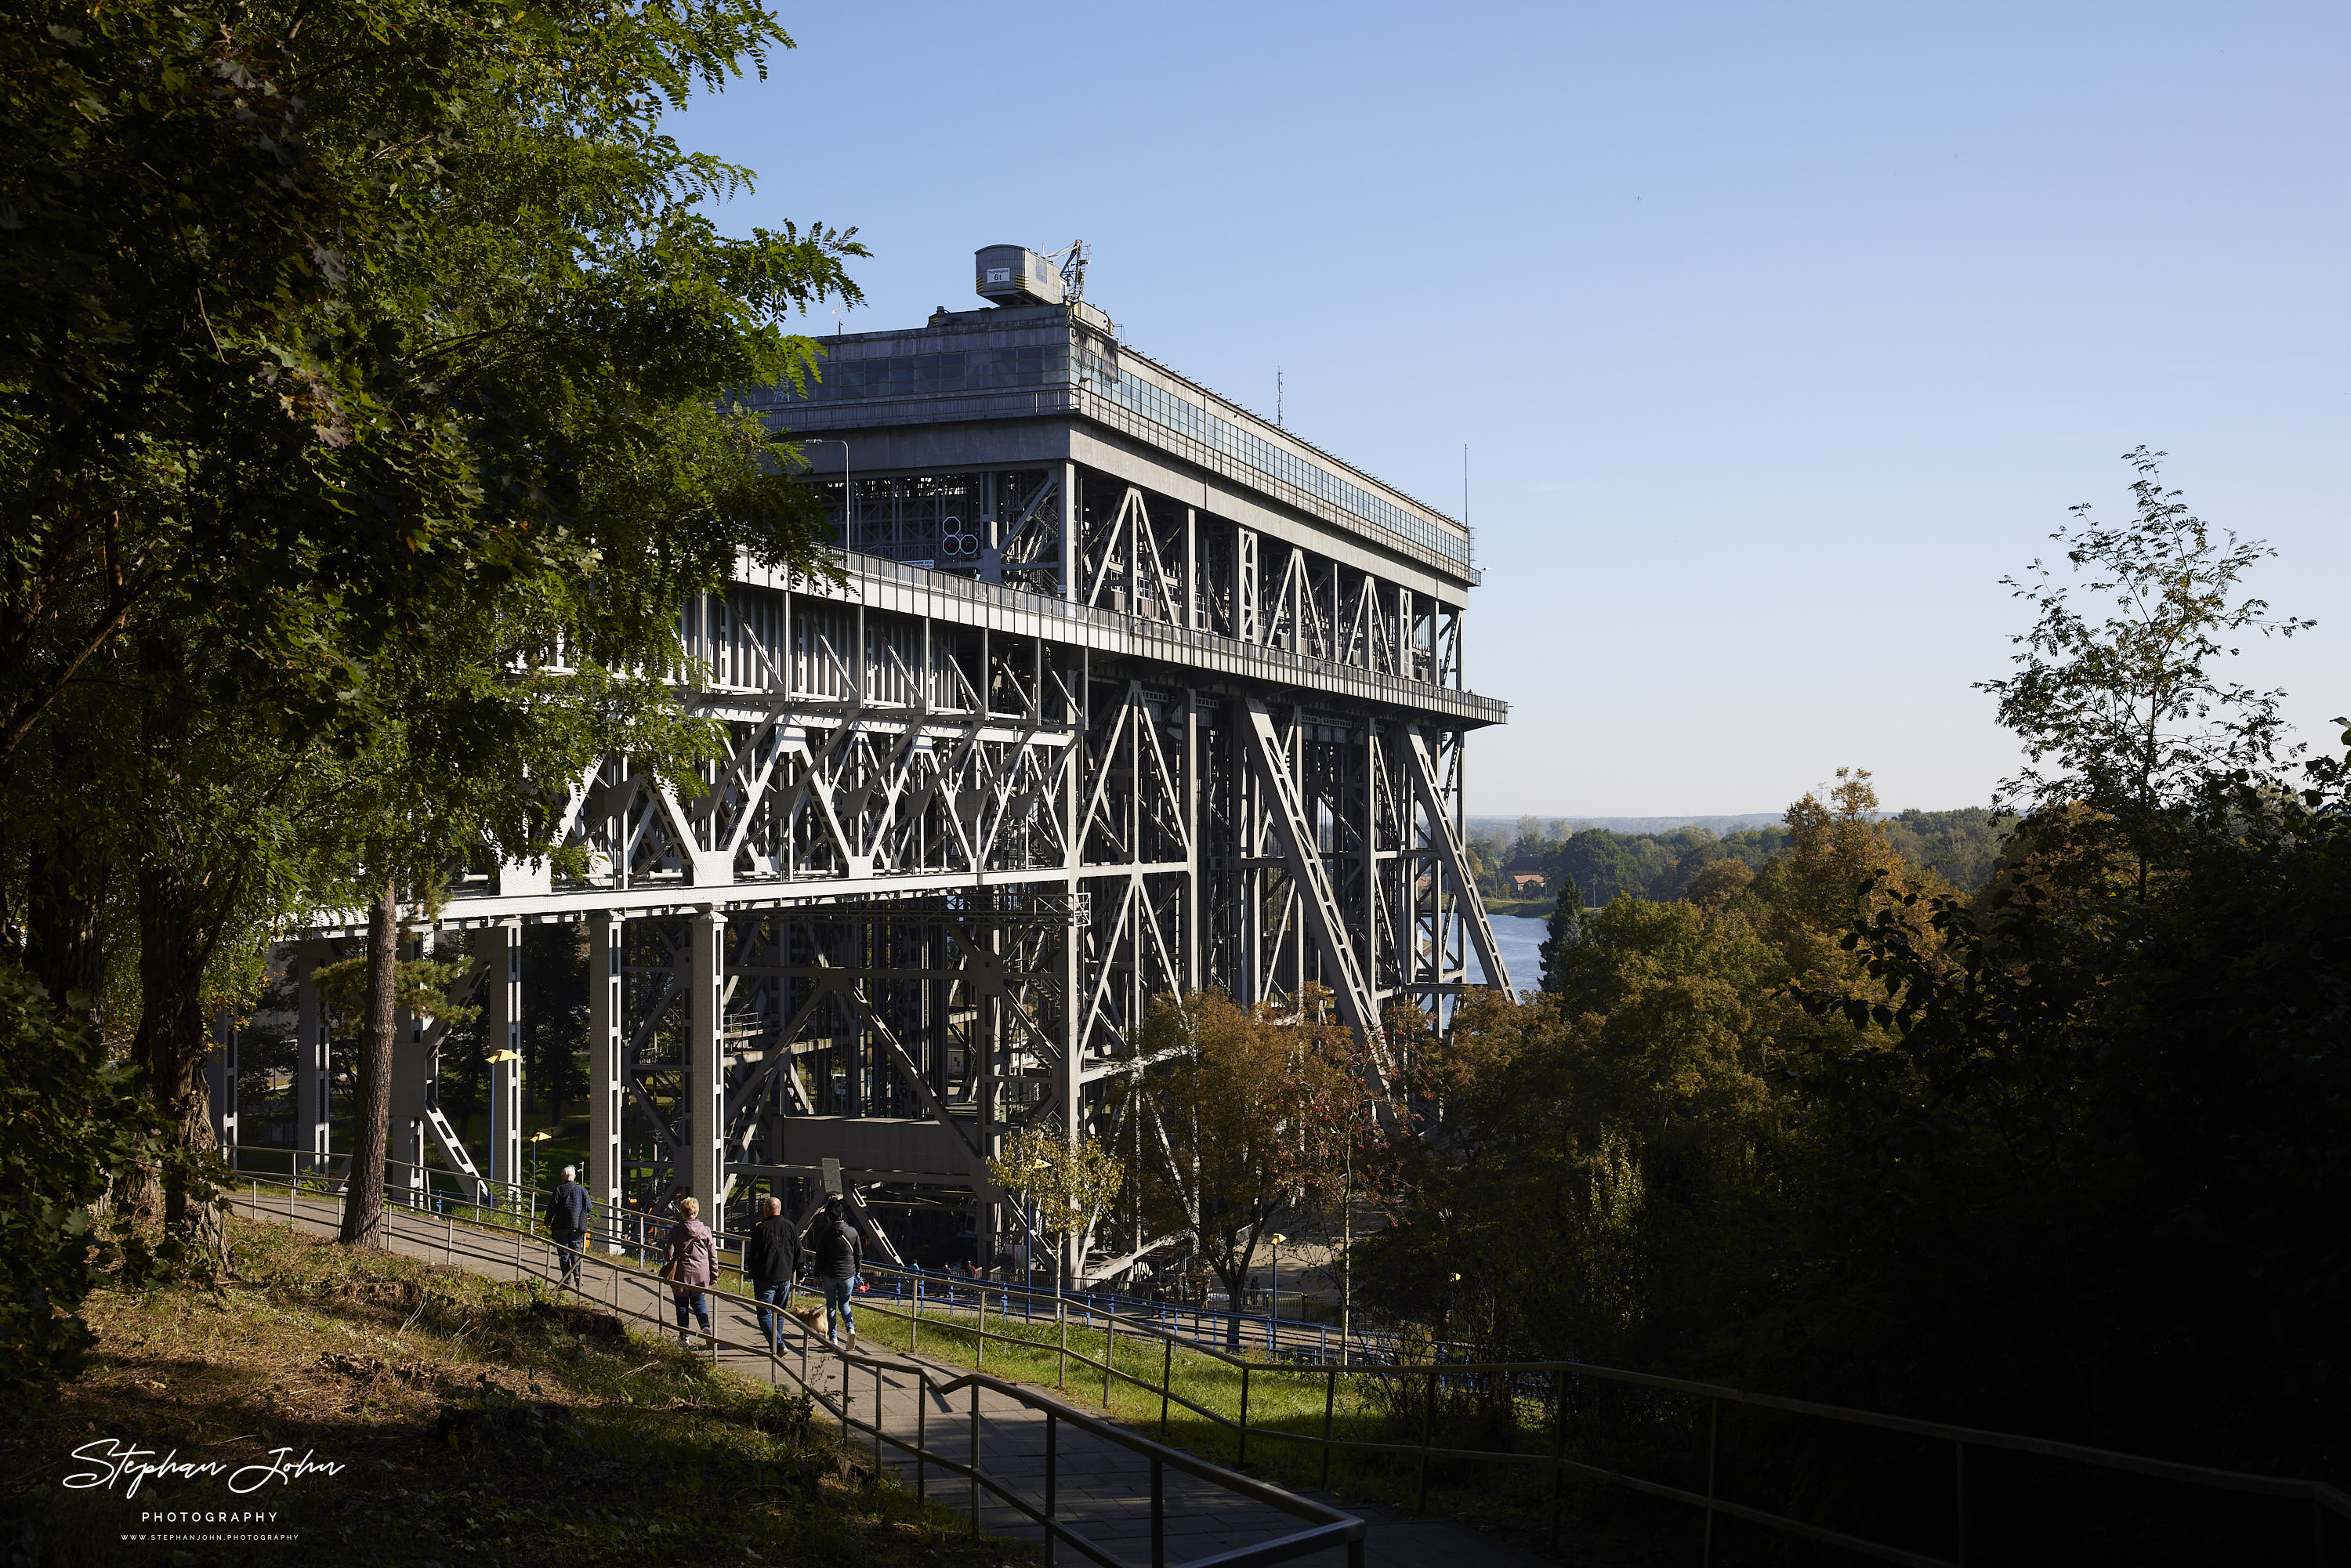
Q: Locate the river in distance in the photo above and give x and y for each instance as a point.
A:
(1519, 937)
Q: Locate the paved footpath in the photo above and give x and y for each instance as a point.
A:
(1102, 1489)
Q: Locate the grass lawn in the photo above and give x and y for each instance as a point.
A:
(1540, 908)
(472, 1422)
(1507, 1501)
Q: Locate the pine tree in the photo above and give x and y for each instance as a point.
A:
(1566, 928)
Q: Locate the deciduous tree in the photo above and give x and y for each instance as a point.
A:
(1250, 1116)
(1071, 1183)
(2131, 714)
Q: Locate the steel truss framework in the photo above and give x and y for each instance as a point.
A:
(965, 830)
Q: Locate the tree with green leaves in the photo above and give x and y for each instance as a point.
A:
(1068, 1184)
(70, 1118)
(365, 416)
(2130, 713)
(1251, 1117)
(1561, 932)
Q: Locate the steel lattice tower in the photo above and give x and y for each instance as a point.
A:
(1126, 692)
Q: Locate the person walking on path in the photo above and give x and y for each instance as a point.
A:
(690, 1262)
(834, 1244)
(772, 1259)
(567, 1221)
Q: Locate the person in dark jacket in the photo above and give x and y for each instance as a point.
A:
(772, 1259)
(568, 1215)
(833, 1246)
(690, 1262)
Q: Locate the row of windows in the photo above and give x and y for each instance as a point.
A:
(1163, 407)
(969, 370)
(1049, 364)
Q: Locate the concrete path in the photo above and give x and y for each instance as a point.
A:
(1102, 1489)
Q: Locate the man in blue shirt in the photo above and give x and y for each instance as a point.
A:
(566, 1220)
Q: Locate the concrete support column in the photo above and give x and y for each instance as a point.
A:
(499, 949)
(313, 1062)
(705, 1069)
(606, 1019)
(220, 1071)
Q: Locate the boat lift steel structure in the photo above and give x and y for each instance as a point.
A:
(1096, 713)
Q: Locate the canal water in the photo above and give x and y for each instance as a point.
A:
(1519, 937)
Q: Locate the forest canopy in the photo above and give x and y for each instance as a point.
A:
(2056, 1147)
(1961, 846)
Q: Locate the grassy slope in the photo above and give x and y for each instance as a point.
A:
(477, 1422)
(1539, 908)
(1511, 1502)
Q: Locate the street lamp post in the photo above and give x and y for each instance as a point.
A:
(1277, 1239)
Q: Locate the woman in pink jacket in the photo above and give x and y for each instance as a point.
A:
(690, 1259)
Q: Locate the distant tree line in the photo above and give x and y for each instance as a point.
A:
(1962, 847)
(2055, 1145)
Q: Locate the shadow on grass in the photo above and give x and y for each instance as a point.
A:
(464, 1420)
(1598, 1523)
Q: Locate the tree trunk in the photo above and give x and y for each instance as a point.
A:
(178, 917)
(1234, 1272)
(363, 1214)
(67, 872)
(171, 1047)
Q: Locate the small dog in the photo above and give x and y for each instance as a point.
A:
(809, 1318)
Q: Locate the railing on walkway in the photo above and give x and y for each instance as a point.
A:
(642, 1232)
(1326, 1527)
(1552, 1377)
(1549, 1379)
(1296, 1341)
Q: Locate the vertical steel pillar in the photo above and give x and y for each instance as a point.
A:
(606, 1020)
(1249, 819)
(499, 949)
(412, 1091)
(1068, 1082)
(1194, 621)
(1369, 958)
(1073, 520)
(1193, 900)
(706, 1065)
(1245, 615)
(1294, 574)
(220, 1070)
(313, 1058)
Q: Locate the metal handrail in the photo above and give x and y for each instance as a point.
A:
(1329, 1527)
(1402, 689)
(2322, 1497)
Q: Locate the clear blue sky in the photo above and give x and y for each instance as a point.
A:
(1778, 333)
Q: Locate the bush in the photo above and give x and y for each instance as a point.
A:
(69, 1120)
